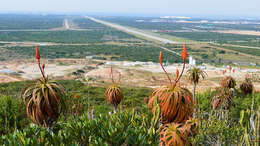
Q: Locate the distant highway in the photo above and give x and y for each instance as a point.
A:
(132, 31)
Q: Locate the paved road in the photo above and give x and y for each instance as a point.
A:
(132, 31)
(140, 33)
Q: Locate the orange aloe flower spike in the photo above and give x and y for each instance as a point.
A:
(75, 96)
(43, 67)
(184, 53)
(230, 68)
(160, 57)
(184, 56)
(177, 74)
(38, 56)
(224, 72)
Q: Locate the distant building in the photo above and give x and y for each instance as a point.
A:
(192, 61)
(91, 57)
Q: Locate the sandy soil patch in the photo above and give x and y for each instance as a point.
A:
(7, 78)
(31, 71)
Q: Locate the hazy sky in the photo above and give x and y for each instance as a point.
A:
(194, 7)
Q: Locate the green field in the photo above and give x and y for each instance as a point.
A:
(85, 36)
(88, 24)
(213, 36)
(221, 38)
(19, 22)
(252, 51)
(251, 43)
(143, 53)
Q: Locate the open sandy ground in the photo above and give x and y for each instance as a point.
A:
(151, 75)
(30, 70)
(131, 73)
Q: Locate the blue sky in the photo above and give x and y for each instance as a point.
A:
(194, 7)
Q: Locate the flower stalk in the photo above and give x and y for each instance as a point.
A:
(184, 56)
(38, 57)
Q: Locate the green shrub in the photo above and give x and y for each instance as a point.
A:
(125, 127)
(12, 115)
(215, 131)
(128, 127)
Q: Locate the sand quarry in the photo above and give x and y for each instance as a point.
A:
(137, 74)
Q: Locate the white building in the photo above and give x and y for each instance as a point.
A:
(192, 61)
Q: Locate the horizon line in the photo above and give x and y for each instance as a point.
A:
(129, 14)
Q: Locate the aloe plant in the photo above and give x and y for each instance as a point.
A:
(224, 94)
(175, 134)
(176, 102)
(223, 98)
(44, 99)
(247, 86)
(113, 93)
(176, 105)
(228, 82)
